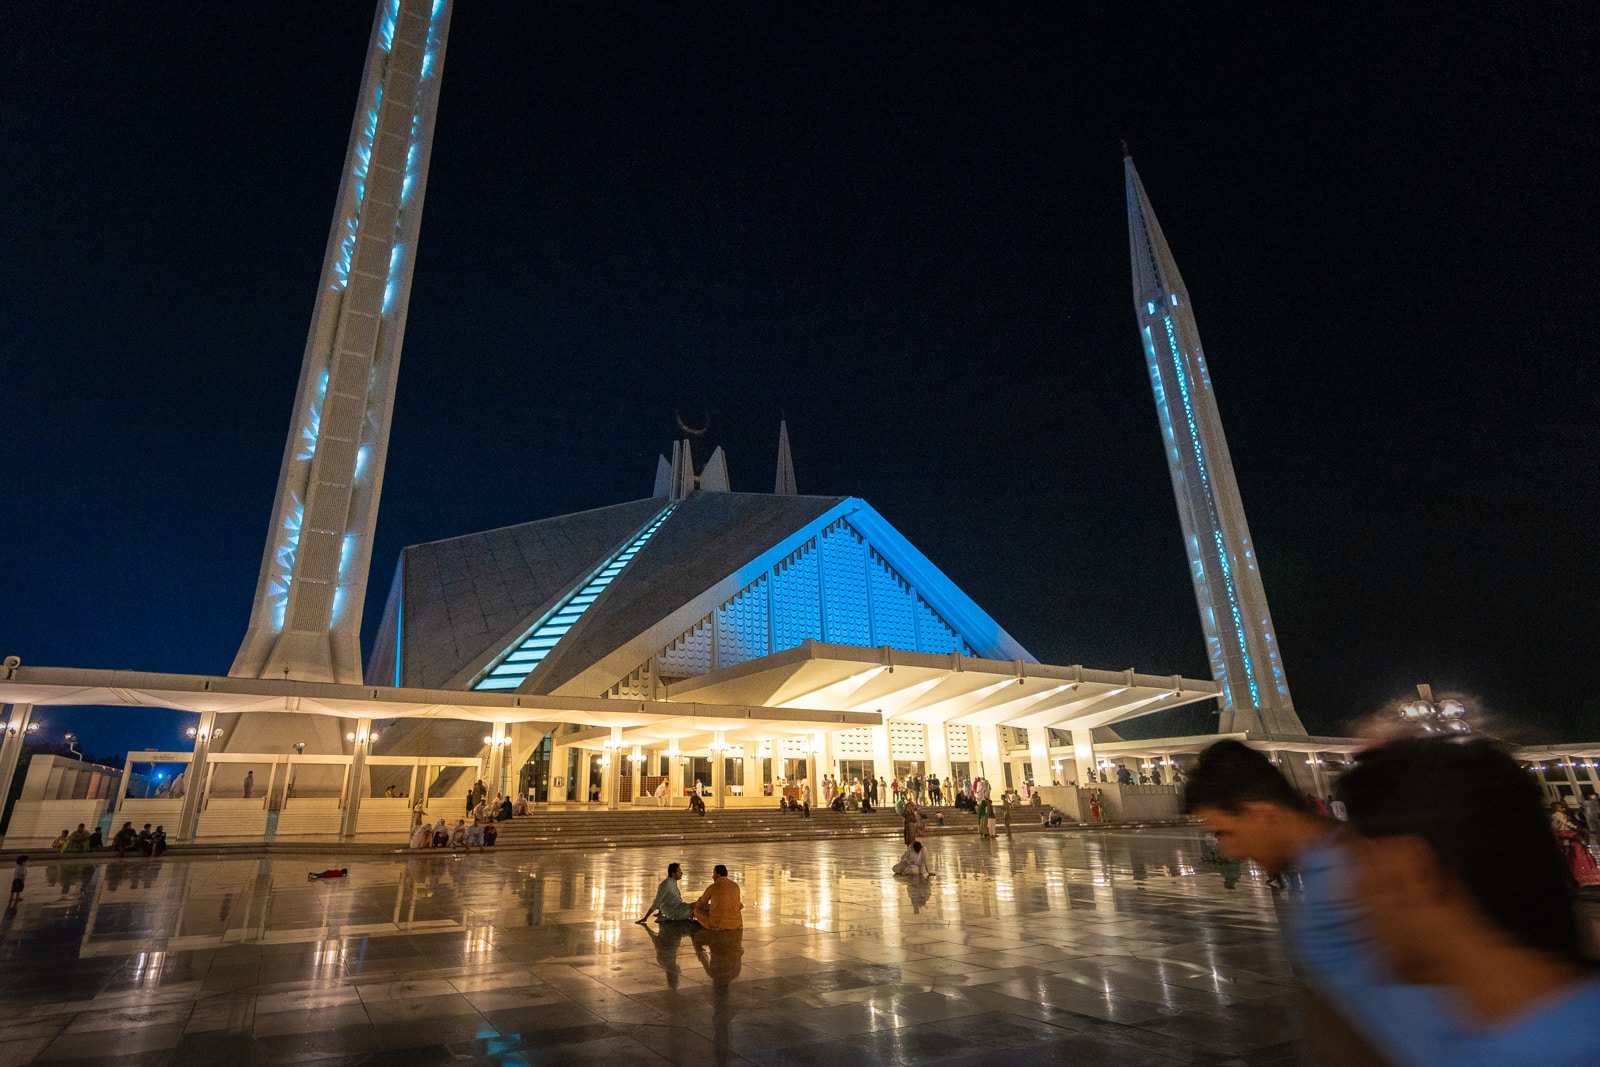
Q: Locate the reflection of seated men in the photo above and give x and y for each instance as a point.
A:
(721, 953)
(719, 907)
(666, 939)
(669, 904)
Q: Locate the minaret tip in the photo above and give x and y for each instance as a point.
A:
(784, 484)
(1125, 153)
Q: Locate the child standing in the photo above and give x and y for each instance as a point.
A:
(19, 877)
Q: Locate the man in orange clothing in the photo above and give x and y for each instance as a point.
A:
(718, 907)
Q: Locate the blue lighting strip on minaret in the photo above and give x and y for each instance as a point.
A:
(531, 650)
(1216, 525)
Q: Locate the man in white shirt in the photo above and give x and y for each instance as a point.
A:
(669, 903)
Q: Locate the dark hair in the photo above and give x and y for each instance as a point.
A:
(720, 869)
(22, 859)
(1230, 775)
(671, 867)
(1483, 818)
(916, 846)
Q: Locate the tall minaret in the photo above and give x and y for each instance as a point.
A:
(305, 622)
(1245, 659)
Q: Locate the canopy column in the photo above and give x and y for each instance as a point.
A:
(938, 749)
(16, 732)
(674, 773)
(993, 758)
(1039, 753)
(719, 767)
(195, 777)
(1083, 752)
(355, 785)
(613, 776)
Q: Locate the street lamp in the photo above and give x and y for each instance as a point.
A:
(1448, 716)
(72, 745)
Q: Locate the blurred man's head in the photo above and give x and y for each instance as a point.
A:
(719, 871)
(1254, 811)
(1452, 840)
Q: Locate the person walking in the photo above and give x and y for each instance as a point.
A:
(249, 783)
(805, 798)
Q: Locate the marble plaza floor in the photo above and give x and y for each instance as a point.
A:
(1103, 947)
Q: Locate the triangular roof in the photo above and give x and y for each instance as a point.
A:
(712, 553)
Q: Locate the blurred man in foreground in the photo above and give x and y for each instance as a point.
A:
(1440, 923)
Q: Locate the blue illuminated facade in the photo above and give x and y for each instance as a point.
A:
(1240, 641)
(702, 583)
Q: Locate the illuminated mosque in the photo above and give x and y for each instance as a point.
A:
(733, 640)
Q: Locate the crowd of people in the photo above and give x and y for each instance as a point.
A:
(147, 842)
(478, 829)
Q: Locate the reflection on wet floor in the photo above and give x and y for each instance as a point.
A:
(1050, 945)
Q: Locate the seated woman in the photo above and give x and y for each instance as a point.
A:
(913, 861)
(505, 809)
(422, 836)
(669, 905)
(521, 806)
(441, 835)
(490, 833)
(458, 836)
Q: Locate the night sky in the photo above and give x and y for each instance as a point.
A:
(903, 226)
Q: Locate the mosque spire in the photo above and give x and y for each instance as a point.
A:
(305, 622)
(1240, 642)
(784, 483)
